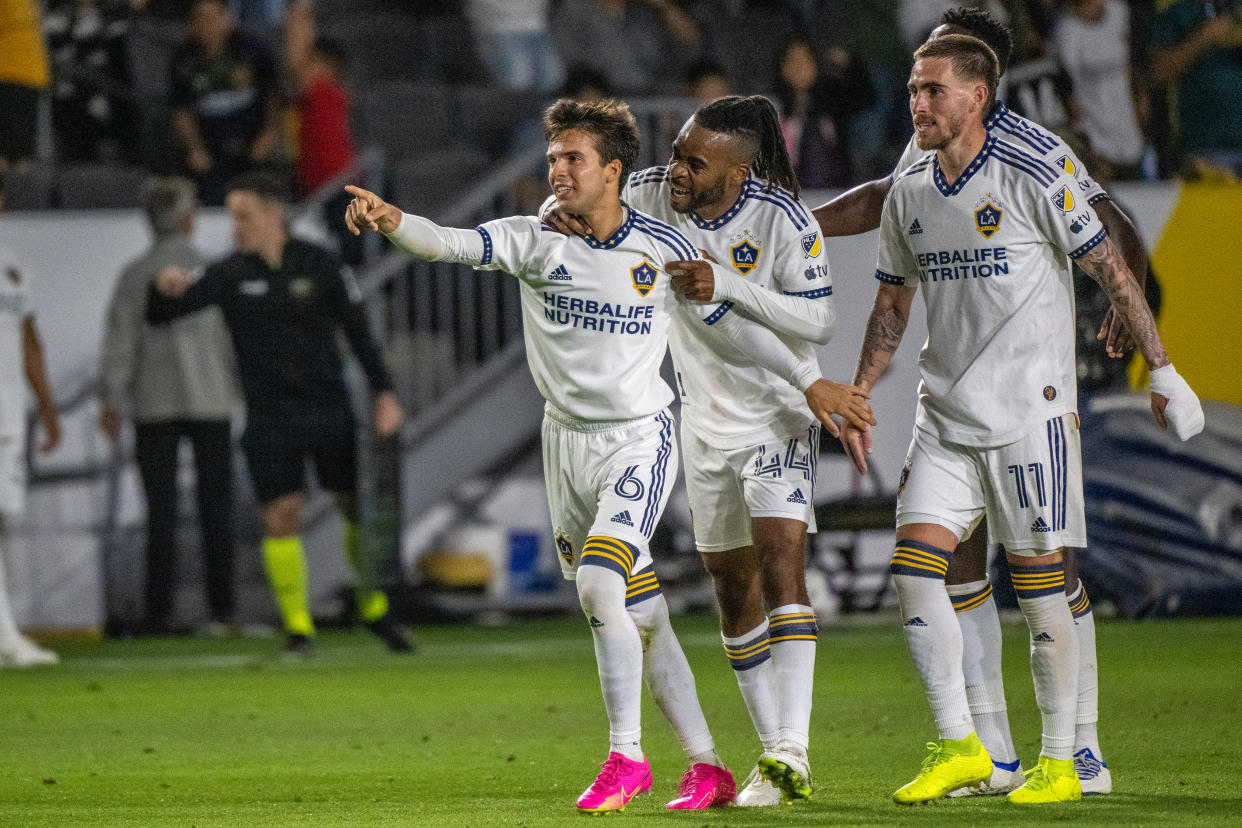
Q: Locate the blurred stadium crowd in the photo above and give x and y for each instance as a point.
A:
(98, 94)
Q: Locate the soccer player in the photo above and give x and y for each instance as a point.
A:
(858, 211)
(284, 300)
(21, 364)
(983, 227)
(596, 311)
(750, 442)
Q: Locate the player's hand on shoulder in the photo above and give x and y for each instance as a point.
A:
(172, 281)
(369, 211)
(564, 222)
(826, 398)
(1174, 403)
(692, 279)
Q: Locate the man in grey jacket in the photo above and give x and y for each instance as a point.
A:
(176, 381)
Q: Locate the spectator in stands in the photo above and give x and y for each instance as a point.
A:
(706, 80)
(93, 110)
(513, 39)
(639, 45)
(816, 103)
(225, 99)
(286, 302)
(1093, 44)
(325, 147)
(21, 364)
(1197, 46)
(23, 74)
(177, 382)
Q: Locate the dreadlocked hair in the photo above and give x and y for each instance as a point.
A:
(753, 117)
(984, 26)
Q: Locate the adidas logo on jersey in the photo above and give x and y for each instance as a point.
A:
(560, 275)
(1040, 526)
(915, 228)
(916, 622)
(796, 497)
(623, 517)
(1044, 638)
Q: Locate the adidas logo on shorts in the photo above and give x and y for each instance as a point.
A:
(796, 497)
(624, 518)
(916, 622)
(1043, 637)
(1040, 526)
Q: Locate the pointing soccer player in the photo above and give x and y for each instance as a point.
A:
(596, 312)
(983, 227)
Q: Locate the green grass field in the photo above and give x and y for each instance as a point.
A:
(505, 726)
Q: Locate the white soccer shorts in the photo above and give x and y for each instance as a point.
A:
(12, 475)
(607, 479)
(728, 488)
(1031, 489)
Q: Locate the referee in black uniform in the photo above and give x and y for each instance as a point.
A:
(284, 300)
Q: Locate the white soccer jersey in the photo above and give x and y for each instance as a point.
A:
(14, 308)
(1034, 139)
(989, 254)
(595, 314)
(771, 240)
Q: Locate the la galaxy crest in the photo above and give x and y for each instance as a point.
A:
(564, 548)
(745, 256)
(988, 215)
(643, 276)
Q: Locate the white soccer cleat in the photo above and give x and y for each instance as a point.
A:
(1093, 773)
(790, 771)
(1002, 781)
(22, 652)
(758, 791)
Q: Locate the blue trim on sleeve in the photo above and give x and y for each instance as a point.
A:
(1029, 164)
(487, 245)
(1091, 243)
(888, 278)
(719, 313)
(818, 293)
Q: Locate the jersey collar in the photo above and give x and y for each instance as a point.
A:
(971, 169)
(723, 218)
(617, 237)
(995, 118)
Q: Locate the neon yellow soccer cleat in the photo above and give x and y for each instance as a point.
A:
(1052, 780)
(951, 764)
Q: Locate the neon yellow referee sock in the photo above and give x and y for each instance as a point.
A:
(372, 603)
(286, 572)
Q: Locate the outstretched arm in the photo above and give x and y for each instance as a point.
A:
(1172, 400)
(414, 234)
(799, 316)
(885, 328)
(854, 211)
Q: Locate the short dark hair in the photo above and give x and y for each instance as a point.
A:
(754, 118)
(268, 186)
(167, 203)
(971, 58)
(609, 121)
(987, 28)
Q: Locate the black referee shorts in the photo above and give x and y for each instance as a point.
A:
(278, 446)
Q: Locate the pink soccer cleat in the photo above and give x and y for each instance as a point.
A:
(704, 786)
(619, 781)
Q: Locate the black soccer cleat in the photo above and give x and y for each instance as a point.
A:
(390, 632)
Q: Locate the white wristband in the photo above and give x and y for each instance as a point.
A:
(1183, 411)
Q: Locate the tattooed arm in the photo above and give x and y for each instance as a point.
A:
(1172, 400)
(885, 327)
(1106, 264)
